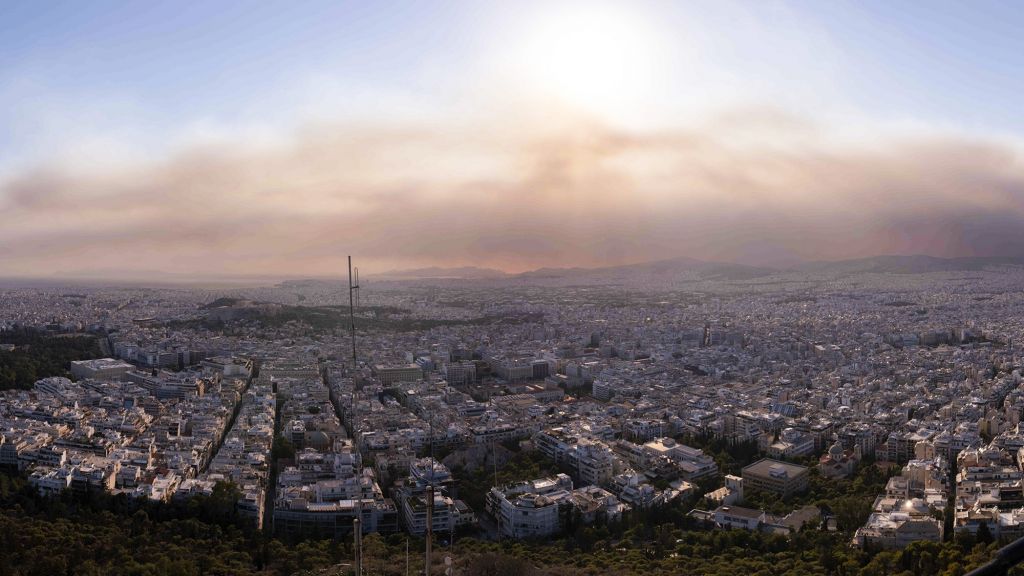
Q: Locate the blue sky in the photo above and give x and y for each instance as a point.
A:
(172, 63)
(97, 97)
(956, 62)
(166, 64)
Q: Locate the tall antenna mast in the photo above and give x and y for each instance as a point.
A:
(353, 289)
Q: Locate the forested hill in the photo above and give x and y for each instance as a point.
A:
(28, 354)
(98, 534)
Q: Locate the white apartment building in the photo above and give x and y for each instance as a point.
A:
(592, 462)
(530, 509)
(693, 463)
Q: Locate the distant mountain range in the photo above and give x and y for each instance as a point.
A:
(435, 272)
(672, 269)
(658, 268)
(673, 266)
(916, 264)
(710, 270)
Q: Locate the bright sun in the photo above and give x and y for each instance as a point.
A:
(601, 58)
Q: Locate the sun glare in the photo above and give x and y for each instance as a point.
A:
(602, 59)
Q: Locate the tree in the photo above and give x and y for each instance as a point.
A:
(282, 448)
(38, 355)
(224, 500)
(984, 535)
(496, 564)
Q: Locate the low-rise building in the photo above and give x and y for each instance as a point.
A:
(896, 527)
(782, 478)
(100, 369)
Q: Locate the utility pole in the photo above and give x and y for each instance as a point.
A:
(430, 526)
(494, 461)
(357, 534)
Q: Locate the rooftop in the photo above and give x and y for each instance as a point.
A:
(775, 469)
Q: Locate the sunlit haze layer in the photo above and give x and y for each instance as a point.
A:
(229, 139)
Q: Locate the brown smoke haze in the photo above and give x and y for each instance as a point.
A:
(754, 186)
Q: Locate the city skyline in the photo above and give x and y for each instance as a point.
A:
(226, 140)
(520, 287)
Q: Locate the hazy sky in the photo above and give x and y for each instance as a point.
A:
(274, 138)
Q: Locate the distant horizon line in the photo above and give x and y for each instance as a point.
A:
(159, 277)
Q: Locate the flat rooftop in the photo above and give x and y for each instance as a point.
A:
(775, 468)
(740, 512)
(102, 363)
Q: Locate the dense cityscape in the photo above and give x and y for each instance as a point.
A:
(875, 404)
(511, 288)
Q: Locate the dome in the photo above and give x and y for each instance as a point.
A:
(318, 439)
